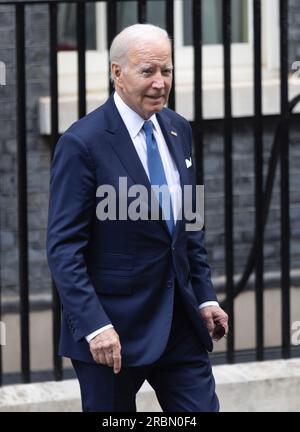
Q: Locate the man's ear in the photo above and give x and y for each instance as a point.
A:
(116, 73)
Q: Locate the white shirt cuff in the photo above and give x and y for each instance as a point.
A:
(89, 337)
(208, 303)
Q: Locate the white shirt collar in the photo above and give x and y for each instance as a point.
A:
(133, 121)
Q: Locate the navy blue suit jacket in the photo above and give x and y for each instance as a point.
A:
(120, 271)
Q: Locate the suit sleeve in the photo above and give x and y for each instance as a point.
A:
(71, 211)
(199, 268)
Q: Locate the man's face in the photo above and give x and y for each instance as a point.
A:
(144, 83)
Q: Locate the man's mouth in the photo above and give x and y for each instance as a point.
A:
(155, 97)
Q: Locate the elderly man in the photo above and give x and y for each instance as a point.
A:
(137, 298)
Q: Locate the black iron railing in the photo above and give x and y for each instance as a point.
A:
(280, 152)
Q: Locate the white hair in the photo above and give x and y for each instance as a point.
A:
(133, 35)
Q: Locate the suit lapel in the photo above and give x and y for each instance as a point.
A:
(123, 146)
(174, 143)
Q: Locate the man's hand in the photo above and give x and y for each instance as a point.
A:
(106, 349)
(216, 321)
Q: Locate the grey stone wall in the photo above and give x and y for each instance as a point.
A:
(37, 70)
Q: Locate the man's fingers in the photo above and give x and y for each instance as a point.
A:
(210, 324)
(105, 348)
(221, 325)
(218, 332)
(117, 361)
(101, 358)
(110, 357)
(216, 321)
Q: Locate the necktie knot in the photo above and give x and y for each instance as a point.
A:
(148, 127)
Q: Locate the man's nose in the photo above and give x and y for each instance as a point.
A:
(158, 82)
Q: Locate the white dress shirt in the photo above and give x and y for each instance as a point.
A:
(134, 124)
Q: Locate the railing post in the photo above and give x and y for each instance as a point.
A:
(22, 191)
(198, 123)
(56, 308)
(111, 30)
(258, 152)
(170, 30)
(81, 46)
(284, 183)
(228, 177)
(142, 11)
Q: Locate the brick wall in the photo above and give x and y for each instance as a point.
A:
(244, 208)
(39, 158)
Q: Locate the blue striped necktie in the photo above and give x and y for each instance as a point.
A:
(157, 173)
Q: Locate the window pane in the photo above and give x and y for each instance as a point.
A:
(156, 13)
(239, 21)
(90, 26)
(66, 26)
(212, 21)
(126, 14)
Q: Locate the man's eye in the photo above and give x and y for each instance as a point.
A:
(167, 72)
(146, 72)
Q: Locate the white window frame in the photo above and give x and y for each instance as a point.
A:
(213, 74)
(212, 54)
(270, 36)
(242, 53)
(96, 61)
